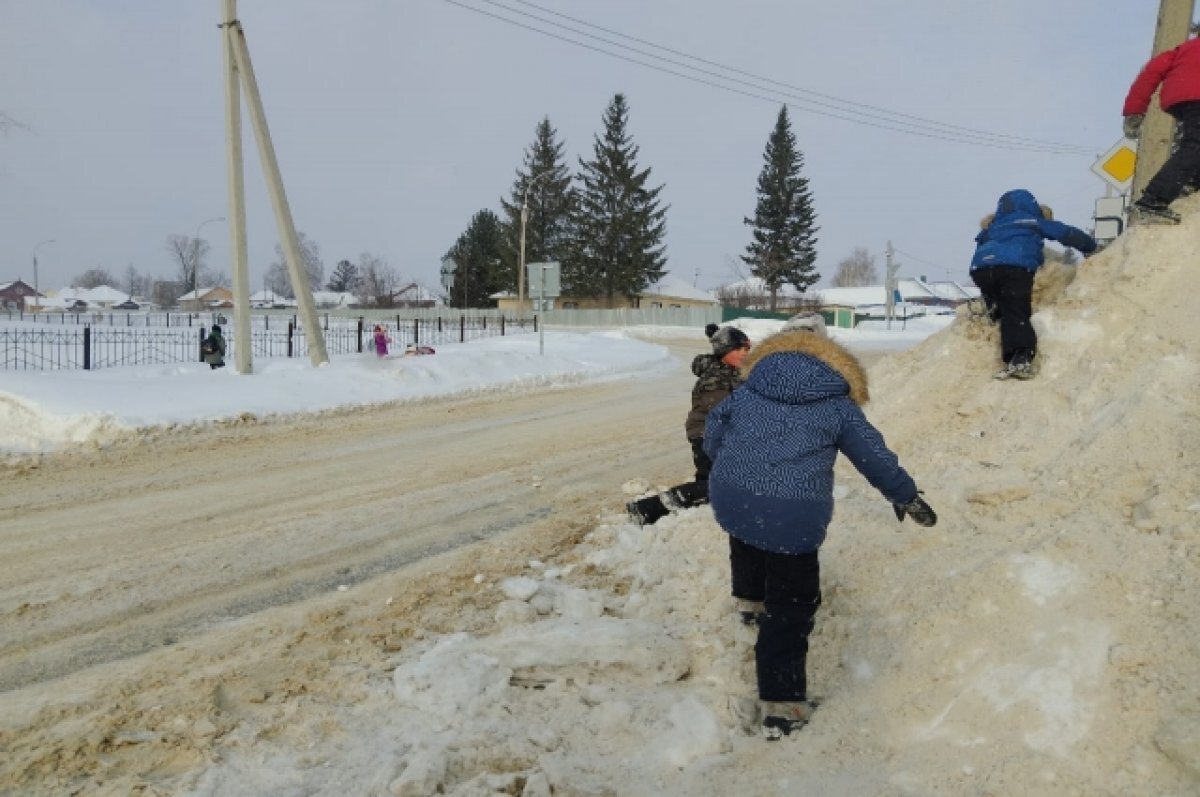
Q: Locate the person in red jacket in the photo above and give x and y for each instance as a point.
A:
(1178, 71)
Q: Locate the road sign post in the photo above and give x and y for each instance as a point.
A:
(548, 278)
(448, 269)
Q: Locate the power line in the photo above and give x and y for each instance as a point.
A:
(911, 256)
(977, 138)
(853, 105)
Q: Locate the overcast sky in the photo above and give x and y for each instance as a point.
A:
(395, 120)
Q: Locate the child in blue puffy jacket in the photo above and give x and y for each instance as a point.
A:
(773, 443)
(1008, 253)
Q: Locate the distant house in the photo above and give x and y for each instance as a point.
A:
(269, 300)
(203, 299)
(17, 296)
(334, 300)
(845, 307)
(752, 294)
(102, 296)
(669, 291)
(415, 295)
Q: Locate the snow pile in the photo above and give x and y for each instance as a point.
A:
(1041, 640)
(52, 410)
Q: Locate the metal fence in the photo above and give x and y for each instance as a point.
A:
(47, 347)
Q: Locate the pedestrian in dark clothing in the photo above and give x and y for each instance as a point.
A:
(1008, 253)
(213, 348)
(774, 442)
(716, 377)
(1178, 72)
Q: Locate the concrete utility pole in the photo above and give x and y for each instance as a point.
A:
(1158, 130)
(283, 213)
(36, 293)
(237, 198)
(889, 284)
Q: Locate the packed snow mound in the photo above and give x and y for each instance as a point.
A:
(1042, 639)
(1050, 613)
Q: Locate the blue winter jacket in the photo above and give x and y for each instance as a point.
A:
(775, 439)
(1014, 235)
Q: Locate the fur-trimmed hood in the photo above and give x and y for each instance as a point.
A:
(810, 367)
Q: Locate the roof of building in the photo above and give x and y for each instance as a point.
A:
(670, 286)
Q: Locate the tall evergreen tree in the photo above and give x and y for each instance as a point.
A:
(619, 224)
(477, 253)
(344, 277)
(551, 206)
(784, 249)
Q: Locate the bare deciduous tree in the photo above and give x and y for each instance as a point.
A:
(378, 281)
(188, 255)
(856, 271)
(278, 278)
(137, 283)
(94, 278)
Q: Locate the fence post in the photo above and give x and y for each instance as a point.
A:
(416, 331)
(327, 322)
(439, 320)
(202, 344)
(87, 348)
(462, 328)
(360, 334)
(501, 326)
(291, 328)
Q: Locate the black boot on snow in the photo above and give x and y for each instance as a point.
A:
(647, 511)
(780, 719)
(1150, 212)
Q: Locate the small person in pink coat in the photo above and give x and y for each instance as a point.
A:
(381, 341)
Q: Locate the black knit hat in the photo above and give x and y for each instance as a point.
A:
(727, 339)
(709, 329)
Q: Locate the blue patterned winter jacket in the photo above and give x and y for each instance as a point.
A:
(775, 439)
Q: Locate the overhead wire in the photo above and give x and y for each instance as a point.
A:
(852, 104)
(917, 127)
(911, 256)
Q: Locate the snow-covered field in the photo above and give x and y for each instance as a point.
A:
(1040, 640)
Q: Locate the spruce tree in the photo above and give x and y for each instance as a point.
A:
(344, 277)
(551, 206)
(619, 224)
(784, 249)
(477, 253)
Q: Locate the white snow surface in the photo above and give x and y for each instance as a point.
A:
(1042, 639)
(55, 410)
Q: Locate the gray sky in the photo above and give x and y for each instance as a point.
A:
(395, 120)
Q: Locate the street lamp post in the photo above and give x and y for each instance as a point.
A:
(36, 292)
(196, 251)
(524, 219)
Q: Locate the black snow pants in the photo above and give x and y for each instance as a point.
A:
(1008, 293)
(789, 585)
(1183, 167)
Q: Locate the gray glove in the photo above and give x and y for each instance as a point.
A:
(1133, 124)
(921, 512)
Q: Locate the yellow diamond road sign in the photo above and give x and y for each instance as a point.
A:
(1115, 167)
